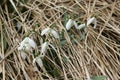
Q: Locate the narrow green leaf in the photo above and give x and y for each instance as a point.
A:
(98, 77)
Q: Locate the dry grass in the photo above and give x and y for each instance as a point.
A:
(80, 53)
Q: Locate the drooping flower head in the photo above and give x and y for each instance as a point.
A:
(92, 20)
(48, 31)
(26, 45)
(71, 23)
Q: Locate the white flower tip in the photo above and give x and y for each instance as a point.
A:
(32, 43)
(34, 60)
(39, 61)
(81, 26)
(69, 24)
(92, 20)
(75, 24)
(44, 31)
(44, 47)
(49, 30)
(19, 48)
(23, 55)
(55, 34)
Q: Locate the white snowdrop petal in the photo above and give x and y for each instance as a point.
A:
(39, 61)
(23, 55)
(52, 46)
(75, 24)
(55, 34)
(27, 47)
(69, 24)
(81, 26)
(34, 61)
(92, 20)
(22, 44)
(32, 43)
(44, 31)
(89, 21)
(44, 47)
(20, 48)
(24, 41)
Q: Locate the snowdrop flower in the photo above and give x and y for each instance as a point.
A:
(26, 45)
(55, 34)
(39, 61)
(44, 47)
(92, 20)
(89, 21)
(46, 30)
(49, 30)
(70, 23)
(23, 55)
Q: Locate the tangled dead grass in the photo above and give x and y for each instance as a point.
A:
(85, 54)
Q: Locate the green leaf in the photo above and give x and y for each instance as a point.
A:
(24, 1)
(63, 42)
(36, 54)
(65, 59)
(98, 77)
(56, 72)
